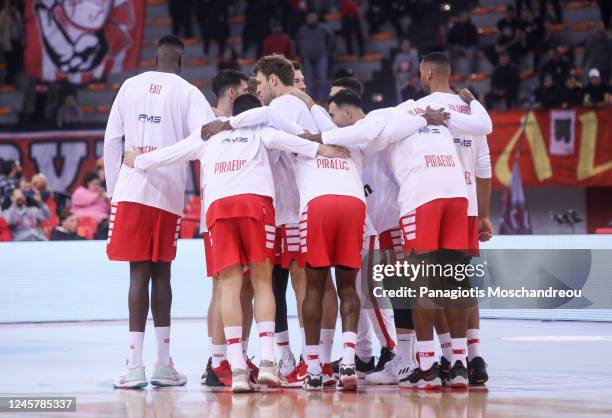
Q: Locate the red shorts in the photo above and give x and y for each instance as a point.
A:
(208, 255)
(138, 232)
(290, 246)
(331, 229)
(242, 239)
(438, 224)
(391, 239)
(473, 244)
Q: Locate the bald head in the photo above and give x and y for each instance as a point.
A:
(435, 69)
(170, 50)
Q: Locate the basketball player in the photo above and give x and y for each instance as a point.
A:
(240, 219)
(298, 78)
(153, 110)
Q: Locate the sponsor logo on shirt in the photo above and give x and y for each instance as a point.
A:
(235, 140)
(463, 142)
(333, 164)
(229, 166)
(460, 108)
(429, 130)
(155, 89)
(143, 117)
(439, 161)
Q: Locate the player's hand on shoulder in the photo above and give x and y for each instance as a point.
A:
(485, 229)
(302, 96)
(312, 137)
(333, 151)
(214, 127)
(466, 95)
(435, 117)
(130, 156)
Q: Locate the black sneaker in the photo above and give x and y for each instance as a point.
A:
(347, 377)
(458, 376)
(206, 369)
(386, 355)
(477, 371)
(363, 368)
(313, 382)
(336, 365)
(444, 371)
(419, 379)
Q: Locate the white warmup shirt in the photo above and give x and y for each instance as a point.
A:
(152, 110)
(249, 177)
(468, 125)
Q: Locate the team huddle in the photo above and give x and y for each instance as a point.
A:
(291, 191)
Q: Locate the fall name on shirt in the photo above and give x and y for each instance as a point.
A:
(465, 109)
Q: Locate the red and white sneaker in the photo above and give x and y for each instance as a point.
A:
(253, 371)
(328, 375)
(219, 376)
(295, 379)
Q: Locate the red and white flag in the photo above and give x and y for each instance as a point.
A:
(82, 40)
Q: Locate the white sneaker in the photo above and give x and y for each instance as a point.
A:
(286, 363)
(394, 370)
(240, 381)
(166, 375)
(268, 374)
(132, 378)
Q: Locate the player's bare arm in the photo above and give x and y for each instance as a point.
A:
(333, 151)
(214, 127)
(312, 137)
(130, 156)
(435, 117)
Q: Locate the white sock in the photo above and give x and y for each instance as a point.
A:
(266, 340)
(282, 342)
(426, 354)
(162, 334)
(406, 347)
(446, 345)
(459, 351)
(233, 336)
(303, 339)
(135, 349)
(311, 356)
(326, 345)
(219, 352)
(245, 348)
(349, 340)
(473, 343)
(210, 341)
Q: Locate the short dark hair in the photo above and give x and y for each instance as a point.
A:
(296, 65)
(171, 40)
(346, 97)
(350, 83)
(278, 65)
(65, 215)
(437, 58)
(89, 177)
(245, 102)
(226, 79)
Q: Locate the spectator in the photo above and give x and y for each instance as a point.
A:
(67, 228)
(405, 65)
(598, 51)
(508, 38)
(556, 66)
(440, 38)
(90, 199)
(462, 40)
(572, 93)
(213, 19)
(39, 182)
(315, 44)
(595, 93)
(533, 35)
(278, 42)
(5, 232)
(414, 90)
(297, 16)
(24, 221)
(180, 13)
(548, 95)
(380, 11)
(9, 178)
(11, 39)
(351, 24)
(543, 8)
(69, 112)
(229, 60)
(505, 84)
(605, 9)
(100, 171)
(256, 25)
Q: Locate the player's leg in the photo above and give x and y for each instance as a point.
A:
(328, 330)
(444, 337)
(312, 310)
(218, 373)
(364, 358)
(477, 368)
(349, 313)
(246, 302)
(280, 280)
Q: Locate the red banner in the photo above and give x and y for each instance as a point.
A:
(82, 40)
(564, 148)
(581, 146)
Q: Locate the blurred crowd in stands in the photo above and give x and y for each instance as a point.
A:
(31, 211)
(298, 28)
